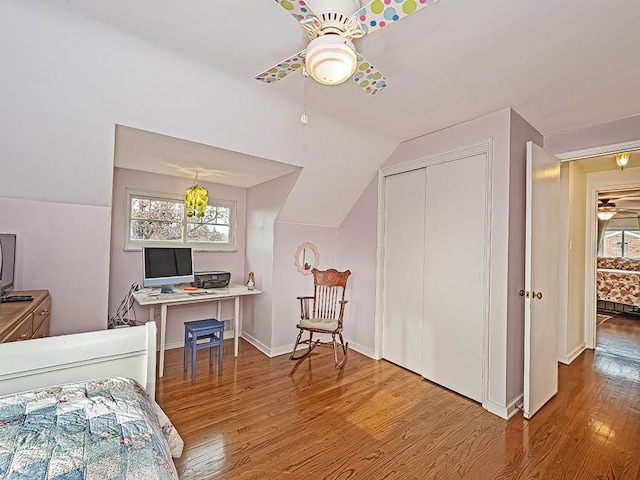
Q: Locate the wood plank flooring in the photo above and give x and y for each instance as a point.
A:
(274, 419)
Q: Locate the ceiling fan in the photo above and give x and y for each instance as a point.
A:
(330, 57)
(607, 209)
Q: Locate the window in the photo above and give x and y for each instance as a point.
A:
(622, 243)
(160, 219)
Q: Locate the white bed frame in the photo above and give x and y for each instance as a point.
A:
(122, 352)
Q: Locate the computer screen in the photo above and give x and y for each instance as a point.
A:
(167, 266)
(7, 261)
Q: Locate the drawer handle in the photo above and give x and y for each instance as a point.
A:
(45, 311)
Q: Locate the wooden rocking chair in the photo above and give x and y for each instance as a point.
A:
(323, 312)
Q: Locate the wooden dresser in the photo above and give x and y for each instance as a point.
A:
(25, 320)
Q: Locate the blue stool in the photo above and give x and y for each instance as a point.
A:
(213, 331)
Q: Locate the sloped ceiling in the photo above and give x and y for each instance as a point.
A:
(560, 64)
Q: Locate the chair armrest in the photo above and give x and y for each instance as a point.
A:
(302, 298)
(344, 302)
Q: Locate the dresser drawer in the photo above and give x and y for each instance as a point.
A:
(43, 330)
(23, 332)
(41, 312)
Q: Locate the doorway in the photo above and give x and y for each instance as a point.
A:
(585, 177)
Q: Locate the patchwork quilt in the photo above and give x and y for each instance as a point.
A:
(98, 429)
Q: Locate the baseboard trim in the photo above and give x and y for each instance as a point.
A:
(567, 359)
(366, 351)
(257, 343)
(502, 411)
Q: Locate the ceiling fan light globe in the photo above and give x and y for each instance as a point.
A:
(606, 215)
(331, 59)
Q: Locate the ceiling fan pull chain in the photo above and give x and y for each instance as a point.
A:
(303, 118)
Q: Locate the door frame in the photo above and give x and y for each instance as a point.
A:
(482, 148)
(591, 230)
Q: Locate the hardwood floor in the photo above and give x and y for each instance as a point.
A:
(272, 419)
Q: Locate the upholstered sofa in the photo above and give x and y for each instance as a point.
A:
(618, 282)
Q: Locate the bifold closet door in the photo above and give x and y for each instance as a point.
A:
(455, 265)
(403, 269)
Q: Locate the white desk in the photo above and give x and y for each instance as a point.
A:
(183, 298)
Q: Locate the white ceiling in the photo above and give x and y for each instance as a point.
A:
(560, 64)
(151, 152)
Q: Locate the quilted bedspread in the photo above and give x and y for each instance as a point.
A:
(98, 429)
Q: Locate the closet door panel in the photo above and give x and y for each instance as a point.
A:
(403, 268)
(454, 288)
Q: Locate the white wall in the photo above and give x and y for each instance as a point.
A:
(616, 131)
(126, 266)
(289, 283)
(264, 202)
(357, 251)
(572, 262)
(64, 249)
(69, 80)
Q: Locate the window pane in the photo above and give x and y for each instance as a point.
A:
(203, 232)
(213, 215)
(612, 244)
(140, 208)
(632, 247)
(166, 210)
(150, 230)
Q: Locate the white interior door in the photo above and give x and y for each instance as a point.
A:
(404, 224)
(455, 264)
(541, 279)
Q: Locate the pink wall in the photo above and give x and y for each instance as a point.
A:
(357, 251)
(264, 202)
(521, 133)
(52, 255)
(126, 267)
(494, 126)
(616, 131)
(288, 283)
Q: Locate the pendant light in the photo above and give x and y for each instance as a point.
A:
(196, 199)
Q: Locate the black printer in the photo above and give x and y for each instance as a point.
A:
(211, 279)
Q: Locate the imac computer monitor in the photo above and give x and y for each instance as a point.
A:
(7, 261)
(166, 266)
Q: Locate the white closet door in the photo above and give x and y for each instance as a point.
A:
(403, 272)
(455, 275)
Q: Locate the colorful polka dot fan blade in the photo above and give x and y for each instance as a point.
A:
(297, 8)
(333, 29)
(282, 69)
(381, 13)
(368, 77)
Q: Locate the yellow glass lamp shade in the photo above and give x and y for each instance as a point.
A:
(196, 201)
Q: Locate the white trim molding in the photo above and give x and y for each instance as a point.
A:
(567, 359)
(505, 412)
(598, 151)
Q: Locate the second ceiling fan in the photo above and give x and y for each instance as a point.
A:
(331, 57)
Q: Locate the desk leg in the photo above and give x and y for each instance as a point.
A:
(152, 313)
(163, 335)
(219, 317)
(236, 326)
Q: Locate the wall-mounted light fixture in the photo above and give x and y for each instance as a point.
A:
(622, 159)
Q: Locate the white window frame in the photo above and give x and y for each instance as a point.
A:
(136, 245)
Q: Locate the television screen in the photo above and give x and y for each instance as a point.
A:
(166, 266)
(7, 261)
